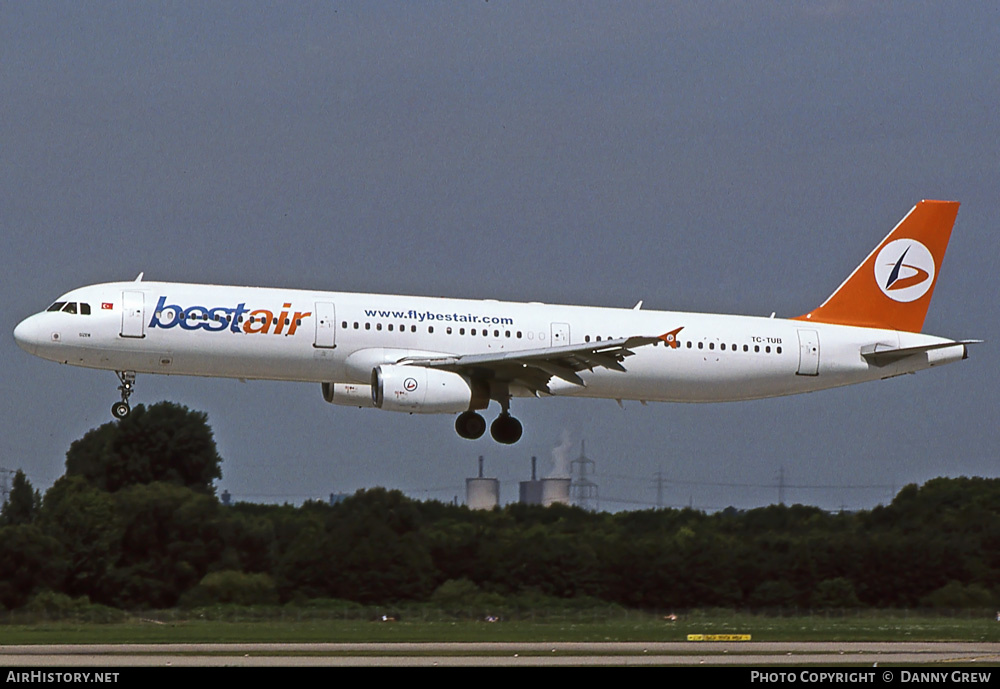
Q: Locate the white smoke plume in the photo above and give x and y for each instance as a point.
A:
(561, 457)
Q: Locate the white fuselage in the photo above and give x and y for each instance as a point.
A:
(336, 337)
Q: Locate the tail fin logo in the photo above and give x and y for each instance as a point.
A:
(904, 270)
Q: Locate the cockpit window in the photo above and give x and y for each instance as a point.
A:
(71, 307)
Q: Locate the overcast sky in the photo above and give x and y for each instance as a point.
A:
(700, 156)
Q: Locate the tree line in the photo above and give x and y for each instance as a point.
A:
(134, 523)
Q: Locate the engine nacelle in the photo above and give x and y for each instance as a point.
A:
(348, 394)
(420, 390)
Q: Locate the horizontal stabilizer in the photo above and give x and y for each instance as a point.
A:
(882, 357)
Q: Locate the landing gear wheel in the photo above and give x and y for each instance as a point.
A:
(470, 425)
(120, 410)
(506, 429)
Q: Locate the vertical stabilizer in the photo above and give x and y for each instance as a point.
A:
(893, 287)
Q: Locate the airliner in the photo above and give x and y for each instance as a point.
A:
(432, 355)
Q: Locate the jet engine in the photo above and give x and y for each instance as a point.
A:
(420, 390)
(348, 394)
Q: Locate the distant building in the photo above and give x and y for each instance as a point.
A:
(544, 491)
(482, 493)
(555, 490)
(530, 492)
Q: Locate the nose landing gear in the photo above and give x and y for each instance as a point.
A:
(121, 409)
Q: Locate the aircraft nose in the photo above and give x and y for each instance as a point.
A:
(28, 335)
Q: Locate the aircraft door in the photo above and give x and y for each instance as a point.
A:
(133, 314)
(326, 325)
(808, 353)
(560, 334)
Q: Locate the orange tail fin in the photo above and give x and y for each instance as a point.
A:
(892, 288)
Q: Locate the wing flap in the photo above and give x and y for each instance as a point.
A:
(534, 368)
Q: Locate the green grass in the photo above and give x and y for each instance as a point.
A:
(625, 627)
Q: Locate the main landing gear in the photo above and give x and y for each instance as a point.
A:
(505, 429)
(121, 409)
(470, 425)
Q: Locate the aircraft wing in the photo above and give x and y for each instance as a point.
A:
(534, 368)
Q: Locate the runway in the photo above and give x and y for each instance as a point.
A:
(499, 654)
